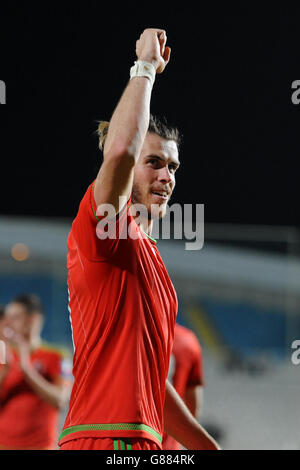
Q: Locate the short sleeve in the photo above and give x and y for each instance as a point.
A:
(95, 235)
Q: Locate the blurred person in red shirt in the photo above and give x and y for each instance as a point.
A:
(186, 375)
(33, 379)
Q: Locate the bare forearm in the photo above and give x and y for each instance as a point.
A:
(182, 425)
(51, 393)
(127, 130)
(130, 120)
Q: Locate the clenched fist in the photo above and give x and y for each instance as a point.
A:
(152, 48)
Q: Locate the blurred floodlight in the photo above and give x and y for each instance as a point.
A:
(20, 252)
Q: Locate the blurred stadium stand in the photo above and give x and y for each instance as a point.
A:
(43, 272)
(241, 296)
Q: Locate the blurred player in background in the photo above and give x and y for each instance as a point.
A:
(32, 385)
(186, 375)
(122, 302)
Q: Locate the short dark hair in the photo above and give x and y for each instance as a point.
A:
(31, 302)
(157, 125)
(160, 126)
(1, 312)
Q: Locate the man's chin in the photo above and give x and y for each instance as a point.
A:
(150, 211)
(157, 212)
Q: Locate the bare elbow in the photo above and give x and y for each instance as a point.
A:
(121, 154)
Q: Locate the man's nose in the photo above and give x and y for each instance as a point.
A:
(164, 175)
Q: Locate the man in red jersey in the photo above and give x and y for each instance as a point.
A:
(186, 375)
(32, 387)
(122, 302)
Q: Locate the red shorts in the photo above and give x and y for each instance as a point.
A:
(107, 443)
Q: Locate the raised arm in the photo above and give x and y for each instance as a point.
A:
(129, 124)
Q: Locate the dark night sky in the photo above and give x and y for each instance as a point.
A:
(227, 87)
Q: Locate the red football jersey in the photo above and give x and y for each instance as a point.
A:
(186, 369)
(26, 420)
(123, 310)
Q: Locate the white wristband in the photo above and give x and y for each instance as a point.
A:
(143, 69)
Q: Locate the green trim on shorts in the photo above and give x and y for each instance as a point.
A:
(111, 427)
(122, 445)
(119, 444)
